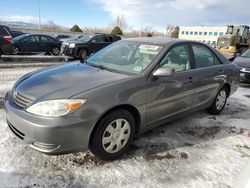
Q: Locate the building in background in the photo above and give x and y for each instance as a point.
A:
(204, 34)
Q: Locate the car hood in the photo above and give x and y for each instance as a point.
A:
(64, 81)
(242, 61)
(67, 42)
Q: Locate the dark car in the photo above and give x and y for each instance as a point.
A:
(6, 40)
(243, 61)
(123, 90)
(87, 44)
(36, 43)
(16, 33)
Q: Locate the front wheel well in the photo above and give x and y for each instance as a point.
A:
(134, 112)
(228, 88)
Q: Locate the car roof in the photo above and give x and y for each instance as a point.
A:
(156, 40)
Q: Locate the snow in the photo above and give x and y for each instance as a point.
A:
(199, 150)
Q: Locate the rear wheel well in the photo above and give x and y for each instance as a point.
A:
(134, 112)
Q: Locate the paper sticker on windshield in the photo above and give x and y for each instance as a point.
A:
(137, 69)
(149, 47)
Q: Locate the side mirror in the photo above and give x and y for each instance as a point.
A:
(164, 72)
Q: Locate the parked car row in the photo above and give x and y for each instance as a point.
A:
(80, 47)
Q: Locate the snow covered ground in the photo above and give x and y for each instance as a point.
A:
(199, 150)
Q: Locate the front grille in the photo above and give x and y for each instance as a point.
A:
(247, 76)
(21, 100)
(63, 48)
(248, 69)
(18, 133)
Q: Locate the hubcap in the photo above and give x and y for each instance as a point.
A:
(116, 135)
(221, 99)
(15, 50)
(55, 51)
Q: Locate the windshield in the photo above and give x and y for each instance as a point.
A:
(20, 37)
(246, 53)
(85, 38)
(126, 56)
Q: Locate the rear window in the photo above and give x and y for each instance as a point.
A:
(4, 31)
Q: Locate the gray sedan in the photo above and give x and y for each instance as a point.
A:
(123, 90)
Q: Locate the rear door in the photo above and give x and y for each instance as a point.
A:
(208, 76)
(45, 44)
(168, 96)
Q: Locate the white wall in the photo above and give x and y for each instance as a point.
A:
(207, 35)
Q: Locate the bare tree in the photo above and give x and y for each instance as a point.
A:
(120, 21)
(169, 29)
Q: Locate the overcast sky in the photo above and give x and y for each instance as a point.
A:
(139, 13)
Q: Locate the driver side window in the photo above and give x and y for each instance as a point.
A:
(177, 58)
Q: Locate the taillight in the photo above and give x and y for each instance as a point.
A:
(8, 38)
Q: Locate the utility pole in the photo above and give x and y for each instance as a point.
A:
(39, 11)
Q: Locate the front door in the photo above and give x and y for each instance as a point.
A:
(31, 44)
(168, 96)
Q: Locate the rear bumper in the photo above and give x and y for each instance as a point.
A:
(6, 49)
(49, 135)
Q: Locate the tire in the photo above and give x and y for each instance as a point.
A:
(15, 50)
(219, 102)
(55, 51)
(109, 140)
(82, 54)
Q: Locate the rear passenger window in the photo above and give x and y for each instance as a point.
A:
(204, 57)
(177, 58)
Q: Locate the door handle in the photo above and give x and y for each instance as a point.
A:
(221, 71)
(190, 79)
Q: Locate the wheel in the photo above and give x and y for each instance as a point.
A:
(113, 135)
(219, 102)
(55, 51)
(15, 50)
(82, 54)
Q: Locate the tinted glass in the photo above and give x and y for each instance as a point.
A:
(127, 57)
(246, 54)
(33, 38)
(85, 38)
(46, 39)
(177, 58)
(99, 39)
(4, 31)
(204, 57)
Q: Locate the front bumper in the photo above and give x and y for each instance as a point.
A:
(59, 135)
(245, 77)
(65, 50)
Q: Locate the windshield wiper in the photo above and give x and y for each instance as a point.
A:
(101, 67)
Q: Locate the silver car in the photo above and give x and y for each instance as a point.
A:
(123, 90)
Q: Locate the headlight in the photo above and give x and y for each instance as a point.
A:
(55, 108)
(243, 69)
(72, 45)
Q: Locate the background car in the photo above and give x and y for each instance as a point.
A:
(36, 43)
(87, 44)
(6, 40)
(243, 61)
(16, 33)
